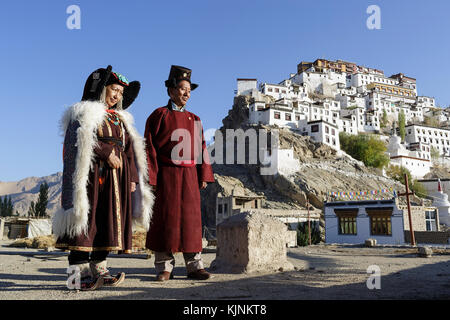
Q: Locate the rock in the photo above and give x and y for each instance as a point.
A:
(371, 243)
(250, 242)
(425, 252)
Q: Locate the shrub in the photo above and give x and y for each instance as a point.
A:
(365, 148)
(302, 233)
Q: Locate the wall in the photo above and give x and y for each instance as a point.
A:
(418, 218)
(431, 237)
(362, 228)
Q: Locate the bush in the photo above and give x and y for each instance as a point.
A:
(366, 148)
(398, 173)
(302, 233)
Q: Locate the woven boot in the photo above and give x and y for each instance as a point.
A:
(87, 282)
(99, 269)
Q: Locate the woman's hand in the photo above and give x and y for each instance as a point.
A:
(133, 186)
(204, 184)
(114, 161)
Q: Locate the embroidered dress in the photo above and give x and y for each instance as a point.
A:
(108, 189)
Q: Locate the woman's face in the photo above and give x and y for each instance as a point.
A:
(114, 93)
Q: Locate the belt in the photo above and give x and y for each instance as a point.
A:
(181, 163)
(113, 141)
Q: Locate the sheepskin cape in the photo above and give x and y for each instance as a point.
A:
(90, 114)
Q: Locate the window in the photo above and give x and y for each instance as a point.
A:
(347, 220)
(380, 221)
(347, 225)
(219, 210)
(225, 208)
(276, 115)
(287, 116)
(380, 226)
(269, 89)
(315, 128)
(327, 130)
(430, 220)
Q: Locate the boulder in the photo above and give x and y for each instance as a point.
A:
(371, 243)
(425, 252)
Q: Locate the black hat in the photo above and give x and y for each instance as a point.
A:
(101, 78)
(178, 73)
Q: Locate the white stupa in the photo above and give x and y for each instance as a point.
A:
(440, 201)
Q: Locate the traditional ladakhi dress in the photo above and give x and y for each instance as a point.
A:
(176, 223)
(109, 222)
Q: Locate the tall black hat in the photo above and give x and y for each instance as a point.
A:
(101, 78)
(177, 74)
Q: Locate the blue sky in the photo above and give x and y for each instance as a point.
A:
(44, 64)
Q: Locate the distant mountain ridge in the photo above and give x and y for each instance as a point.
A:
(26, 190)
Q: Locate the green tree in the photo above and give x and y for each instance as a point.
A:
(365, 148)
(402, 124)
(431, 121)
(5, 206)
(435, 154)
(39, 209)
(384, 119)
(302, 233)
(398, 173)
(10, 207)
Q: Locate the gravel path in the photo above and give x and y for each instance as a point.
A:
(322, 272)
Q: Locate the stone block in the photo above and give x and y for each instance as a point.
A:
(371, 243)
(249, 242)
(291, 238)
(425, 252)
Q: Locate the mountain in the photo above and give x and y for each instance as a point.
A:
(26, 190)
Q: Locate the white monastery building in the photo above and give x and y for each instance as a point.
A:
(339, 96)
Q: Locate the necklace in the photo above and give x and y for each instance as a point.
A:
(113, 117)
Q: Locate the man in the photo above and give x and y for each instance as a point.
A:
(179, 167)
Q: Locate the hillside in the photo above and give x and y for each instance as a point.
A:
(26, 190)
(321, 171)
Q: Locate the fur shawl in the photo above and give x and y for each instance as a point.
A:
(90, 114)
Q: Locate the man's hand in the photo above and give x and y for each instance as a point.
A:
(204, 184)
(133, 186)
(114, 161)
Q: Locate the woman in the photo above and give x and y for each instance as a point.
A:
(105, 170)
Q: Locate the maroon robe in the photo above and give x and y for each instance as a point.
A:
(176, 224)
(109, 192)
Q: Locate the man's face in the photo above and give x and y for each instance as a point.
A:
(114, 93)
(181, 94)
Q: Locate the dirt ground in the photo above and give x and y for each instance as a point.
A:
(321, 272)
